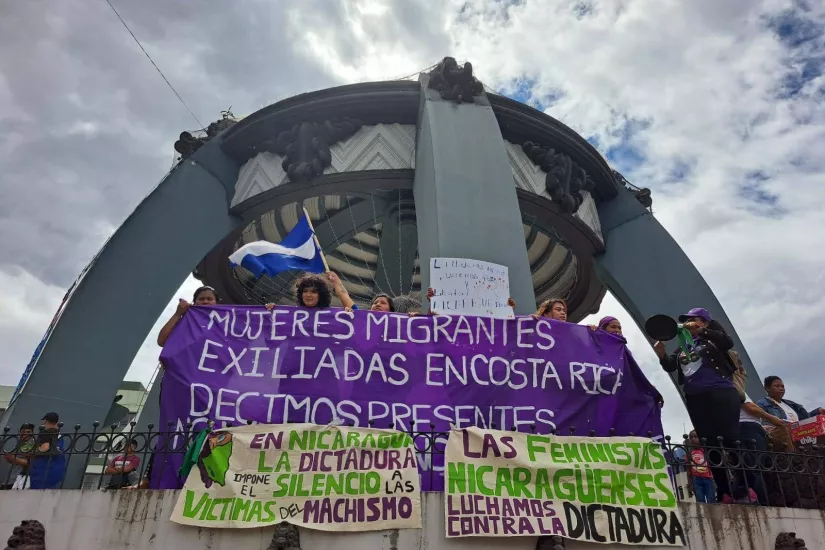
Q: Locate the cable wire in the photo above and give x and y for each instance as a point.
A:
(155, 66)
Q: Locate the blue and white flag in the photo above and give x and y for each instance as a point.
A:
(297, 251)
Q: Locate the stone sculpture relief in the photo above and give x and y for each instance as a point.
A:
(565, 180)
(29, 535)
(188, 144)
(306, 146)
(553, 542)
(642, 194)
(455, 83)
(286, 537)
(788, 541)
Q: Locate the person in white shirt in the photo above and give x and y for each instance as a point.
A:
(755, 438)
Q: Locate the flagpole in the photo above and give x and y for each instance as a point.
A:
(317, 242)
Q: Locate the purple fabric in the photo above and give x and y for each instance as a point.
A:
(706, 378)
(311, 368)
(604, 321)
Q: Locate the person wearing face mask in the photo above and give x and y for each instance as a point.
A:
(204, 296)
(711, 398)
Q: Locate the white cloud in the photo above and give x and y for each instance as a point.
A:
(26, 310)
(146, 360)
(699, 90)
(700, 84)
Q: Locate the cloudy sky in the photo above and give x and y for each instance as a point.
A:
(718, 107)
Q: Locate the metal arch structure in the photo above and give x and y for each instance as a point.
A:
(462, 165)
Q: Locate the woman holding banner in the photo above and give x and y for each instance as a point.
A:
(554, 308)
(313, 291)
(431, 295)
(610, 325)
(382, 302)
(204, 296)
(711, 398)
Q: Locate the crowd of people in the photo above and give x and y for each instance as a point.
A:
(37, 462)
(40, 460)
(718, 409)
(721, 415)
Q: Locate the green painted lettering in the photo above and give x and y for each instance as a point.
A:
(536, 445)
(662, 482)
(543, 484)
(521, 481)
(190, 511)
(261, 459)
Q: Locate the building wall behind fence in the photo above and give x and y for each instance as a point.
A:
(132, 520)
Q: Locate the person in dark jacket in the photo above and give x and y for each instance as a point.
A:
(778, 406)
(710, 395)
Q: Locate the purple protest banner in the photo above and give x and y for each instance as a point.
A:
(238, 364)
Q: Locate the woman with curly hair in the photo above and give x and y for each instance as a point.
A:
(313, 291)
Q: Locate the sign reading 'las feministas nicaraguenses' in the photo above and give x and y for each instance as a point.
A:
(605, 490)
(331, 478)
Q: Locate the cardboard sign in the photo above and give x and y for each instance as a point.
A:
(808, 431)
(470, 287)
(605, 490)
(331, 478)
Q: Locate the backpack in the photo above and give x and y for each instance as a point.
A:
(738, 374)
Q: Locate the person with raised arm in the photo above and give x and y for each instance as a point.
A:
(313, 291)
(204, 296)
(711, 398)
(431, 295)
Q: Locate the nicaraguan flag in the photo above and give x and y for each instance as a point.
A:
(297, 251)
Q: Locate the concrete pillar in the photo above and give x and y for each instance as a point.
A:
(649, 273)
(125, 289)
(399, 243)
(465, 200)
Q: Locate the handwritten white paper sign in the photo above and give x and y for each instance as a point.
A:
(470, 287)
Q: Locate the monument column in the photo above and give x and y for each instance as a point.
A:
(648, 273)
(465, 199)
(127, 285)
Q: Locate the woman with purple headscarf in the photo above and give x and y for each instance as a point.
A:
(610, 325)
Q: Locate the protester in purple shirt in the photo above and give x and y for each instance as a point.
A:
(204, 296)
(710, 396)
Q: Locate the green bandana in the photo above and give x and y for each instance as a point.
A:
(217, 463)
(686, 343)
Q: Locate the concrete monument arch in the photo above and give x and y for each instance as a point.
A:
(476, 175)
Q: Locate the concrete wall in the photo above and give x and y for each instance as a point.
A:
(131, 520)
